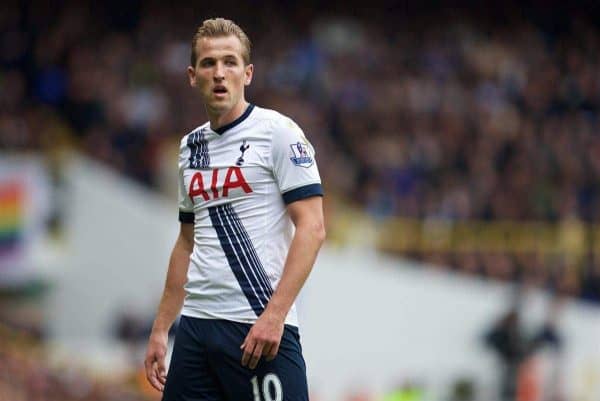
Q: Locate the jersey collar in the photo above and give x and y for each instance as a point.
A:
(237, 121)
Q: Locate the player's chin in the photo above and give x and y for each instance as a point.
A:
(219, 108)
(219, 104)
(219, 100)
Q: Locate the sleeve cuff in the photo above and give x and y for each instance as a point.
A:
(186, 217)
(304, 192)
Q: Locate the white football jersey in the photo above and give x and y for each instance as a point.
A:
(234, 184)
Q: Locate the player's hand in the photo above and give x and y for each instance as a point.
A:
(156, 373)
(263, 339)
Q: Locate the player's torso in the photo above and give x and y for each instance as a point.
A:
(241, 227)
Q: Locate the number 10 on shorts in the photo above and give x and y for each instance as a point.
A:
(271, 388)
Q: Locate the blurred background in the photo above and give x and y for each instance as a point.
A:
(458, 143)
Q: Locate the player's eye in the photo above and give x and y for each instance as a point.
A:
(230, 62)
(207, 63)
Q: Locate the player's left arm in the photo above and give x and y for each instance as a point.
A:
(265, 335)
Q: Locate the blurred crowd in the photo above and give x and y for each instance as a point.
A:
(427, 115)
(28, 375)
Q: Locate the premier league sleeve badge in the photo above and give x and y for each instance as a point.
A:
(300, 155)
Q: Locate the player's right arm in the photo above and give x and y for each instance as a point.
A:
(169, 307)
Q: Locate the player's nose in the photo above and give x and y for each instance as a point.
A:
(219, 72)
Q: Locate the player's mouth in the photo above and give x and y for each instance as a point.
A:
(220, 90)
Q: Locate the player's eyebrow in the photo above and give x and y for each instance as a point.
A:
(213, 58)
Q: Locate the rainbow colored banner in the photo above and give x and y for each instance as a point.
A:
(24, 206)
(12, 199)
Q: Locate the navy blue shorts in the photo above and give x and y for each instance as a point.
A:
(206, 365)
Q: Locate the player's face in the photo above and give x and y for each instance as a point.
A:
(220, 74)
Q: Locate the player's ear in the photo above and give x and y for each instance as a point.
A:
(249, 70)
(191, 75)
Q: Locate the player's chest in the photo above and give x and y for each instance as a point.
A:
(219, 170)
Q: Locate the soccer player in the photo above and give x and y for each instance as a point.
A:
(250, 207)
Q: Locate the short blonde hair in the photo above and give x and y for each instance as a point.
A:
(218, 27)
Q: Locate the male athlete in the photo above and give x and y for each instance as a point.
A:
(250, 207)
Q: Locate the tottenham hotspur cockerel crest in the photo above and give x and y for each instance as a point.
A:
(243, 148)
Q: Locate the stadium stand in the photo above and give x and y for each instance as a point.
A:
(468, 119)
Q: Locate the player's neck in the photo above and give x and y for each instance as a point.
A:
(219, 120)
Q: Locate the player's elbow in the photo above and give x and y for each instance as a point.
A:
(314, 230)
(318, 232)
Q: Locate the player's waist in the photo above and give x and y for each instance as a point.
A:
(243, 315)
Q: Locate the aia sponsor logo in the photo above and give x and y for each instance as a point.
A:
(222, 182)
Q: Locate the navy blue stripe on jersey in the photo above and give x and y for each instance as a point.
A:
(192, 144)
(250, 251)
(199, 157)
(303, 192)
(237, 121)
(234, 261)
(240, 262)
(186, 217)
(245, 251)
(204, 157)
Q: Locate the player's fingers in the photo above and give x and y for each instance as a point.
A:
(248, 349)
(162, 371)
(267, 349)
(272, 352)
(162, 379)
(152, 377)
(247, 341)
(148, 369)
(157, 377)
(255, 357)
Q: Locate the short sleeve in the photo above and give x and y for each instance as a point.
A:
(186, 207)
(294, 164)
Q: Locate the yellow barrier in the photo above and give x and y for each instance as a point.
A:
(568, 237)
(573, 238)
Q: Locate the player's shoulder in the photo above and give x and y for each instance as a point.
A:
(276, 121)
(184, 140)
